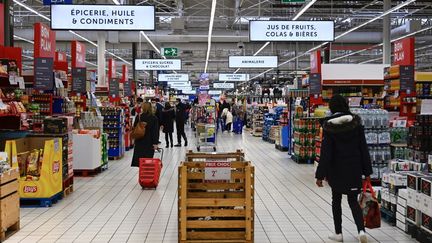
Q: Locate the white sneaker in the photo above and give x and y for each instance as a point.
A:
(362, 237)
(336, 237)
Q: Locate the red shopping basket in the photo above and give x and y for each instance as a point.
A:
(149, 171)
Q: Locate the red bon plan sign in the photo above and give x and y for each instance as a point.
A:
(44, 37)
(78, 54)
(404, 52)
(315, 62)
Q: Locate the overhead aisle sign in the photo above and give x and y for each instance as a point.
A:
(223, 85)
(177, 84)
(233, 77)
(158, 64)
(183, 77)
(253, 61)
(291, 30)
(102, 17)
(215, 92)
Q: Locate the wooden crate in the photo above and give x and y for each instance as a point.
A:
(9, 204)
(234, 156)
(216, 211)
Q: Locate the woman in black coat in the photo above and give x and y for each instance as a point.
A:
(145, 147)
(343, 161)
(167, 120)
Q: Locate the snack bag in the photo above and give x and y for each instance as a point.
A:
(33, 163)
(22, 163)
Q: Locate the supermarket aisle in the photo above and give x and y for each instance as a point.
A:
(112, 207)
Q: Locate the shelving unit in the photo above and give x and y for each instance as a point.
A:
(305, 131)
(114, 127)
(258, 120)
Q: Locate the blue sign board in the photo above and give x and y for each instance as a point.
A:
(51, 2)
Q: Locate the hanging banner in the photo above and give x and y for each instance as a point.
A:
(223, 85)
(60, 61)
(215, 92)
(79, 80)
(181, 77)
(125, 73)
(315, 62)
(78, 54)
(233, 77)
(43, 73)
(127, 87)
(102, 17)
(114, 88)
(404, 53)
(158, 64)
(253, 61)
(263, 30)
(111, 69)
(179, 84)
(44, 41)
(315, 83)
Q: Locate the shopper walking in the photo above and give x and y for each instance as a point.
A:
(167, 119)
(180, 123)
(344, 159)
(228, 117)
(145, 147)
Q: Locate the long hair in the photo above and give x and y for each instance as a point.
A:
(146, 108)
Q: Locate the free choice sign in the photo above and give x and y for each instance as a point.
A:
(234, 77)
(158, 64)
(291, 30)
(253, 61)
(102, 17)
(173, 77)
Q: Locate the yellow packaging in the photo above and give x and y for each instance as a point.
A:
(50, 181)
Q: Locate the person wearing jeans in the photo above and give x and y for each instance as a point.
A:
(344, 160)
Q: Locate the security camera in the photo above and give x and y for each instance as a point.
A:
(240, 45)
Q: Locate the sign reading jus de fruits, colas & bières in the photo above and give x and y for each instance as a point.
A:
(102, 17)
(253, 61)
(180, 77)
(233, 77)
(260, 30)
(158, 64)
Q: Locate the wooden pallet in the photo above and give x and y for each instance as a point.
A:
(220, 211)
(9, 231)
(41, 202)
(67, 191)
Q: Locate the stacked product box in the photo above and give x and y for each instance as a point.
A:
(416, 198)
(113, 125)
(426, 203)
(305, 132)
(420, 139)
(401, 208)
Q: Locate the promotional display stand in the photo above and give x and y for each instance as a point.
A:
(87, 153)
(219, 188)
(46, 189)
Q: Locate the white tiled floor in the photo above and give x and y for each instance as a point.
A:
(112, 207)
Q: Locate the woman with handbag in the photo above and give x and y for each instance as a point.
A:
(343, 161)
(167, 120)
(145, 133)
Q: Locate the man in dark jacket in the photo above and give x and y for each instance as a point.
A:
(343, 161)
(180, 123)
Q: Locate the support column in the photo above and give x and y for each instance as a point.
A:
(387, 34)
(134, 56)
(101, 60)
(8, 23)
(297, 59)
(180, 8)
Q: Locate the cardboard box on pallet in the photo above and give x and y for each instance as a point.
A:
(425, 186)
(413, 215)
(414, 180)
(426, 222)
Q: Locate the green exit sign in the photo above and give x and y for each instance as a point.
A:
(293, 1)
(169, 52)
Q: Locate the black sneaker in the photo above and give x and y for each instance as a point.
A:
(167, 146)
(177, 145)
(186, 143)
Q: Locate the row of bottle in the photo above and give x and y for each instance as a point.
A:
(424, 89)
(380, 154)
(373, 118)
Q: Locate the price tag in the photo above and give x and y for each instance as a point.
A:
(217, 171)
(400, 123)
(20, 81)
